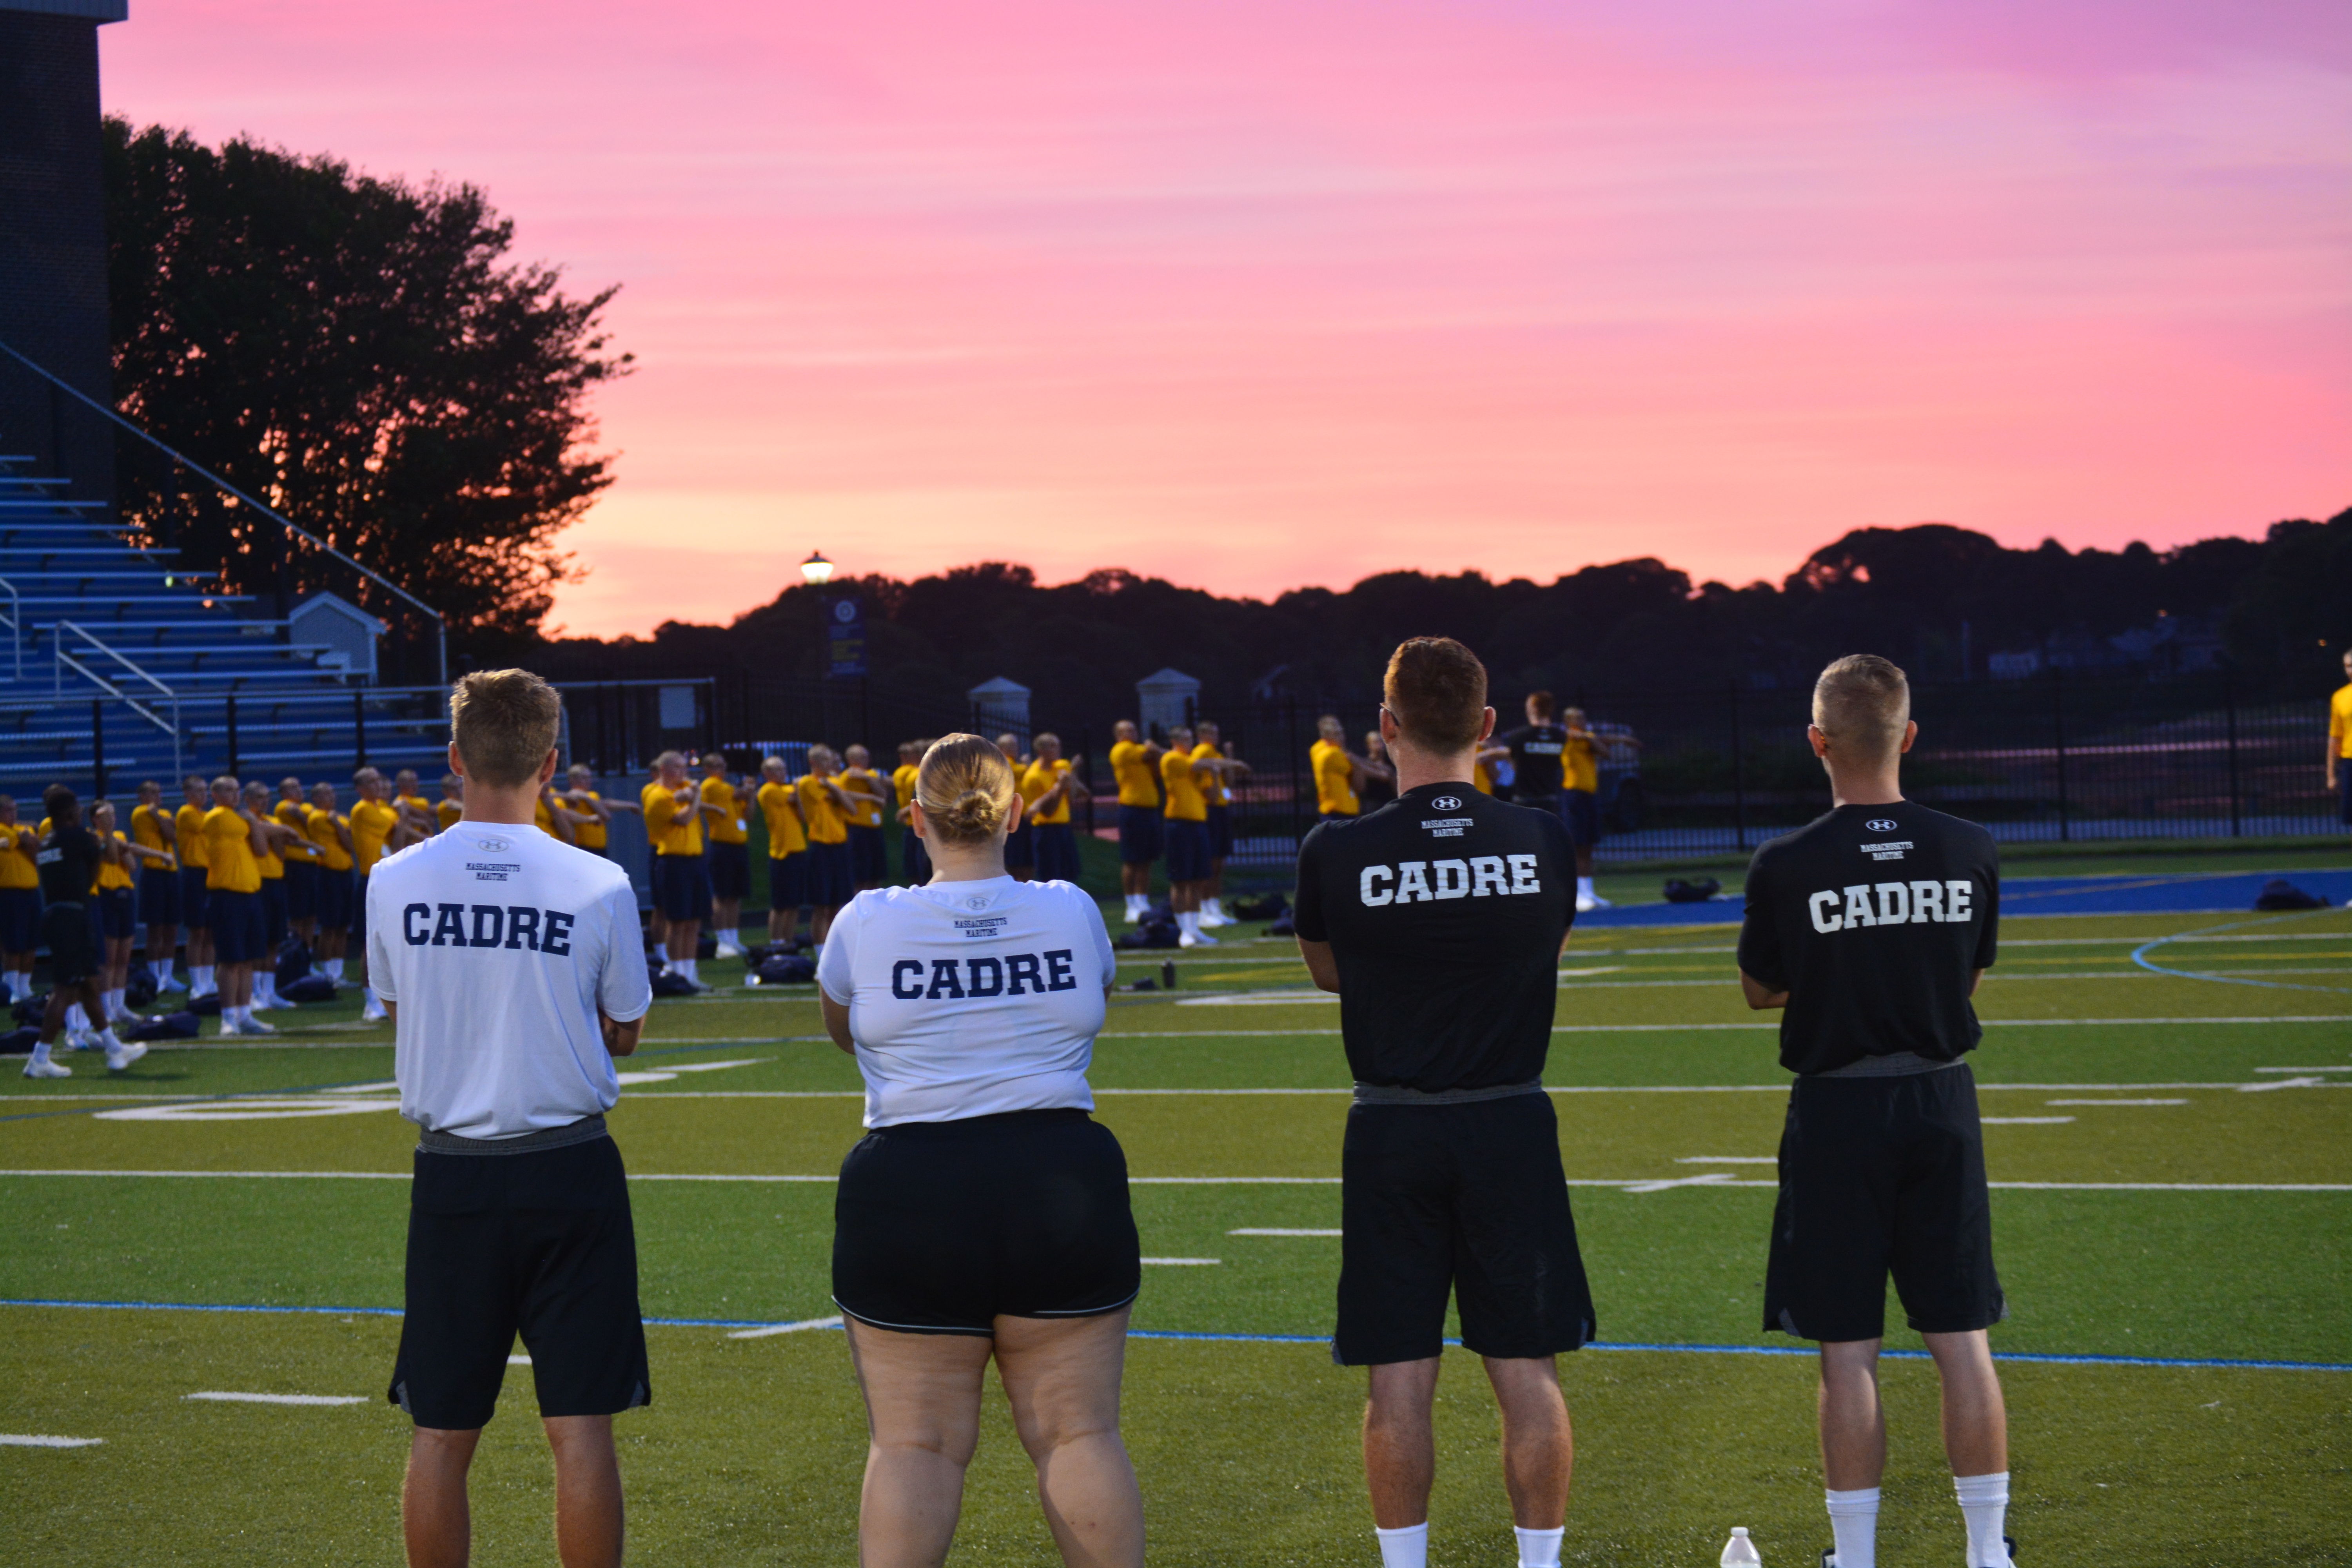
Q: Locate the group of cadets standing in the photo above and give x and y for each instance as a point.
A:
(1176, 800)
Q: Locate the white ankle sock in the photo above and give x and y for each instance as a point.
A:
(1984, 1503)
(1538, 1548)
(41, 1051)
(1188, 921)
(1584, 887)
(161, 970)
(334, 968)
(1406, 1548)
(77, 1019)
(106, 1038)
(1854, 1527)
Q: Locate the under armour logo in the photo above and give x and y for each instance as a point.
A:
(1880, 824)
(1447, 803)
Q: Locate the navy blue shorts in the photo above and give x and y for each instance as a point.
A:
(869, 858)
(273, 910)
(20, 919)
(70, 933)
(1581, 809)
(1220, 832)
(788, 880)
(359, 913)
(1188, 850)
(1138, 834)
(1021, 846)
(914, 860)
(682, 886)
(831, 883)
(731, 870)
(159, 895)
(1057, 852)
(118, 913)
(194, 900)
(240, 935)
(2344, 789)
(301, 889)
(330, 893)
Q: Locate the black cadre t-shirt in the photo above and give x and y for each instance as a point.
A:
(1874, 920)
(1535, 759)
(1444, 910)
(69, 860)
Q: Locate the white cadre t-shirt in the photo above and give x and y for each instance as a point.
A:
(500, 945)
(970, 998)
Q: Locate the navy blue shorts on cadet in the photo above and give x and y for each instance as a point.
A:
(1021, 846)
(1057, 852)
(788, 880)
(1581, 810)
(301, 889)
(20, 919)
(830, 881)
(239, 932)
(1220, 832)
(331, 895)
(1138, 834)
(118, 913)
(914, 859)
(731, 870)
(159, 895)
(273, 911)
(1188, 850)
(682, 886)
(869, 856)
(195, 905)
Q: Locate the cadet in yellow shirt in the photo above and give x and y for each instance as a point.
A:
(377, 828)
(152, 828)
(681, 875)
(234, 845)
(1047, 788)
(726, 823)
(1187, 830)
(592, 829)
(1335, 772)
(914, 860)
(330, 832)
(1580, 801)
(1133, 764)
(869, 802)
(780, 808)
(277, 839)
(417, 813)
(301, 857)
(2339, 744)
(825, 810)
(117, 905)
(450, 809)
(1210, 748)
(188, 839)
(20, 899)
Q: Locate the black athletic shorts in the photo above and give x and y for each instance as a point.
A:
(196, 901)
(273, 914)
(159, 895)
(1467, 1198)
(682, 886)
(332, 896)
(914, 860)
(240, 935)
(1879, 1176)
(869, 856)
(1138, 835)
(1580, 809)
(942, 1228)
(1186, 844)
(537, 1243)
(117, 913)
(731, 870)
(301, 889)
(72, 941)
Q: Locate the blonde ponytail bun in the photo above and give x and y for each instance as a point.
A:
(966, 789)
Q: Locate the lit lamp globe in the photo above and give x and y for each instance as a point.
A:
(817, 571)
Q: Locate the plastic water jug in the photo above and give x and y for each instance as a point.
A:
(1739, 1552)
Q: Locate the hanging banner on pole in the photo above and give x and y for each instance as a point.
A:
(844, 639)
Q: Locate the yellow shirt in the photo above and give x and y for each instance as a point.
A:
(591, 834)
(229, 863)
(826, 821)
(541, 817)
(147, 829)
(372, 823)
(1483, 778)
(1212, 785)
(784, 834)
(293, 814)
(903, 779)
(449, 813)
(18, 868)
(1036, 781)
(1335, 786)
(729, 826)
(188, 822)
(2339, 721)
(1185, 801)
(320, 827)
(869, 797)
(273, 865)
(1131, 764)
(111, 875)
(417, 803)
(1580, 766)
(671, 828)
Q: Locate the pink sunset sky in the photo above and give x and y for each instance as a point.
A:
(1254, 296)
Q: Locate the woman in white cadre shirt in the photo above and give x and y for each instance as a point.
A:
(984, 1215)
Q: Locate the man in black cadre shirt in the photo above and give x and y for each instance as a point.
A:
(1439, 919)
(1534, 749)
(1871, 926)
(68, 857)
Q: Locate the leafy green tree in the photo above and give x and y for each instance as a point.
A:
(358, 353)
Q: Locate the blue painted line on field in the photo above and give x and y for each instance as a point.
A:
(2040, 1357)
(2223, 892)
(2140, 956)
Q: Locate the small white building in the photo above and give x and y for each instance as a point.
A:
(1165, 700)
(342, 634)
(1001, 706)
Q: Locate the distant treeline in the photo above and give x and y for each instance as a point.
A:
(1942, 601)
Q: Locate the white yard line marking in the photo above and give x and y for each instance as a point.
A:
(246, 1110)
(1603, 968)
(2337, 1068)
(1712, 1179)
(1278, 1230)
(518, 1360)
(31, 1440)
(2024, 1121)
(773, 1329)
(1259, 999)
(281, 1398)
(1728, 1160)
(2116, 1102)
(2288, 1083)
(1186, 1262)
(714, 1067)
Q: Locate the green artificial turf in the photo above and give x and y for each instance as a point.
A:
(1246, 1449)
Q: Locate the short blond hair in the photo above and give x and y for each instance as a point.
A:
(1865, 702)
(965, 787)
(503, 724)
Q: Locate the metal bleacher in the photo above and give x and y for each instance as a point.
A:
(120, 665)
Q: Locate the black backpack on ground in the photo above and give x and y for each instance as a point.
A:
(1269, 908)
(1283, 925)
(19, 1042)
(207, 1006)
(2278, 893)
(309, 988)
(670, 982)
(166, 1025)
(1681, 892)
(1155, 930)
(293, 962)
(141, 989)
(780, 968)
(29, 1010)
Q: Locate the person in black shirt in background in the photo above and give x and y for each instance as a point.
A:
(1871, 926)
(1534, 750)
(68, 857)
(1439, 919)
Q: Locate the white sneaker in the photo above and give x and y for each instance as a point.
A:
(47, 1070)
(177, 983)
(1601, 903)
(728, 949)
(80, 1040)
(130, 1052)
(256, 1026)
(374, 1013)
(1208, 918)
(1186, 939)
(1586, 904)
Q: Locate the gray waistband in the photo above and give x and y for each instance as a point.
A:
(587, 1130)
(1896, 1064)
(1385, 1094)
